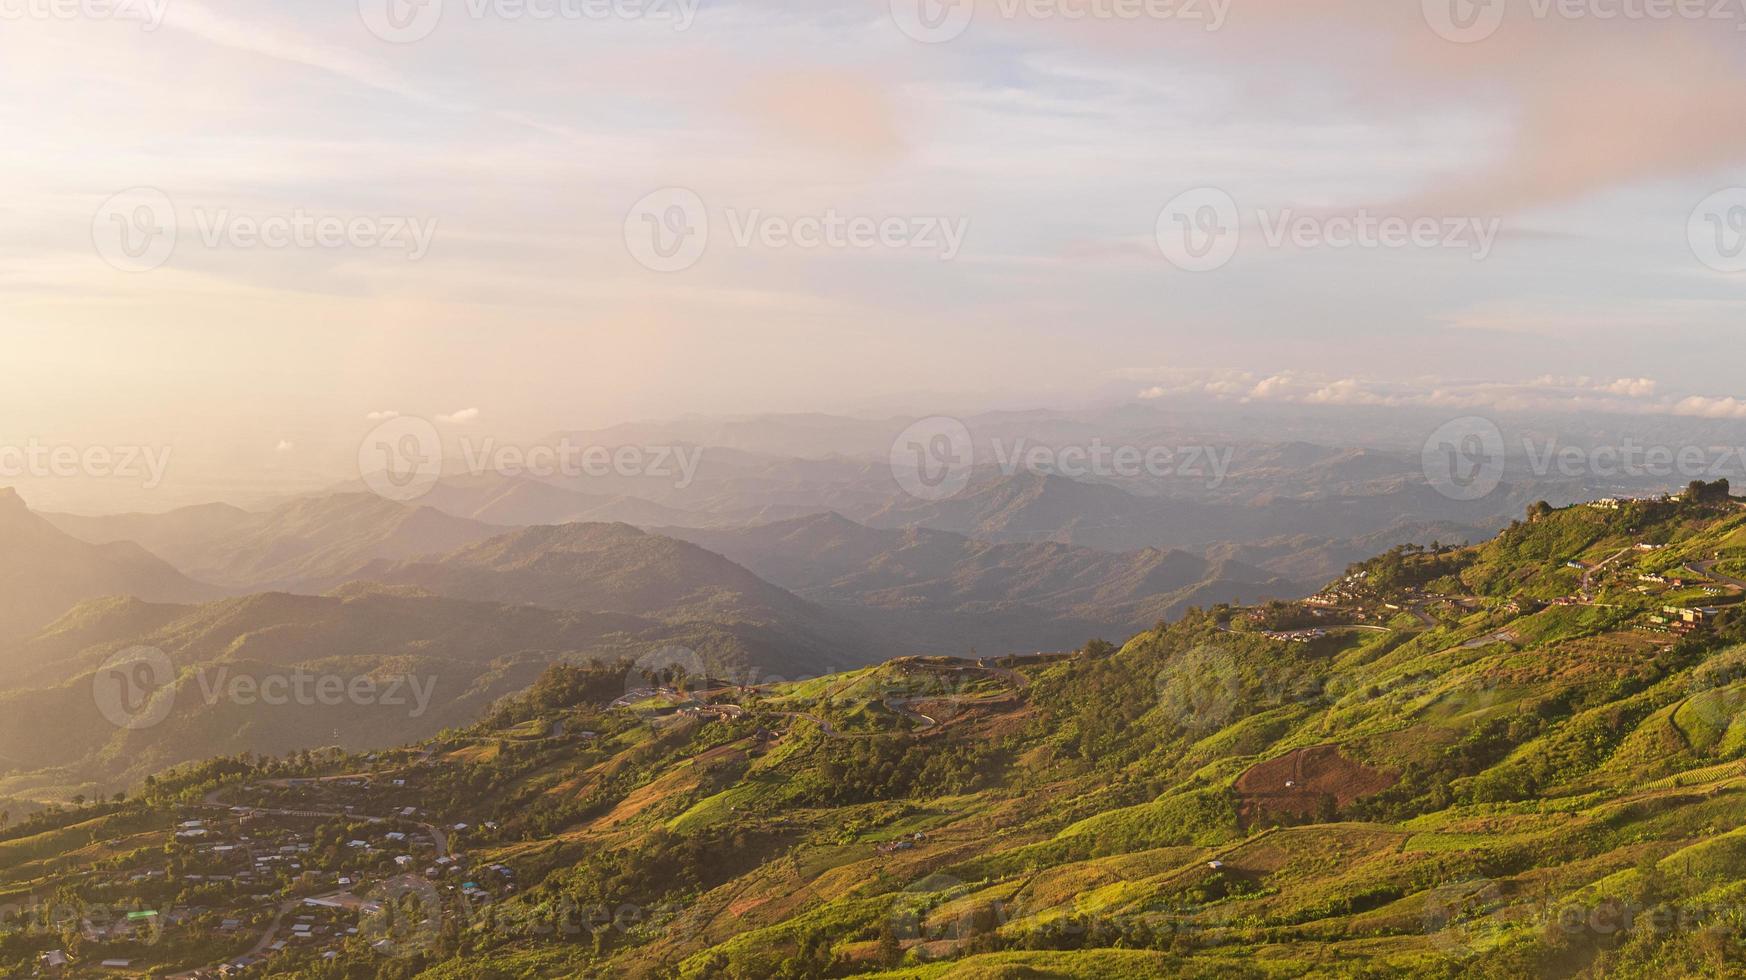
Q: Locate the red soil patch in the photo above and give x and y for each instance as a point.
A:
(1296, 783)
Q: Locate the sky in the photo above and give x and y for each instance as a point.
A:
(494, 210)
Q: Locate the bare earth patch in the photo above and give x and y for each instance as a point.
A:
(1296, 783)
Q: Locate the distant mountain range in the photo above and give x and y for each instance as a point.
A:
(463, 656)
(44, 571)
(619, 569)
(310, 541)
(947, 593)
(411, 590)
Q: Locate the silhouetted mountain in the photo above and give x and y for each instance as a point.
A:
(307, 544)
(618, 568)
(44, 571)
(943, 592)
(463, 654)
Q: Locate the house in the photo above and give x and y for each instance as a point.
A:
(1694, 616)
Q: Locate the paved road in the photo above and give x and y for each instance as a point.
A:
(823, 725)
(212, 799)
(260, 948)
(1589, 574)
(435, 832)
(1709, 568)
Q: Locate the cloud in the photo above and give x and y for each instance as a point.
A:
(1579, 106)
(461, 417)
(838, 111)
(1548, 393)
(283, 44)
(381, 416)
(284, 446)
(1711, 408)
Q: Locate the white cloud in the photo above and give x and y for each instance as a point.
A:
(461, 417)
(1547, 393)
(284, 446)
(381, 416)
(1711, 408)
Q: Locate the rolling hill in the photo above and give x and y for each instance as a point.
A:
(616, 568)
(1505, 760)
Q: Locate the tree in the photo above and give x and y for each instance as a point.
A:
(1099, 648)
(890, 951)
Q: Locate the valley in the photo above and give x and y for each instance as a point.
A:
(1495, 760)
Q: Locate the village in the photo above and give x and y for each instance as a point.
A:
(1668, 593)
(292, 868)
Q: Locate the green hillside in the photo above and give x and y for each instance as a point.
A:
(1523, 758)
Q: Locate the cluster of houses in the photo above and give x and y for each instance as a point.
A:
(904, 843)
